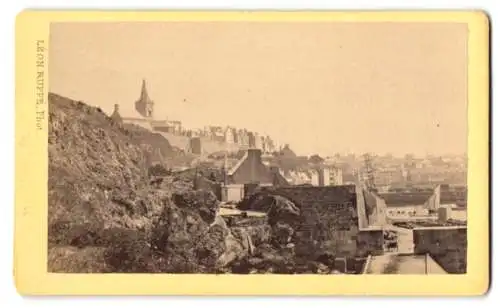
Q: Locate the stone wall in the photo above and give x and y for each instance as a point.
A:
(207, 146)
(448, 247)
(361, 208)
(139, 122)
(329, 218)
(375, 209)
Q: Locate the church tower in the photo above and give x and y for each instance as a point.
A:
(116, 114)
(144, 105)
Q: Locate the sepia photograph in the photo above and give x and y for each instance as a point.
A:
(326, 148)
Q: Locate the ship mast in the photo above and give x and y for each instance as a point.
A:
(225, 165)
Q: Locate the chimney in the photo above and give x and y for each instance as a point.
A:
(225, 168)
(116, 114)
(321, 176)
(274, 169)
(255, 155)
(444, 214)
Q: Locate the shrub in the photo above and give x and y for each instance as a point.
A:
(67, 259)
(63, 232)
(158, 170)
(128, 251)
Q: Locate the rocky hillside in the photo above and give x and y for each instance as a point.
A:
(94, 161)
(107, 214)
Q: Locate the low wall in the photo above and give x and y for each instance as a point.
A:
(447, 246)
(375, 209)
(208, 146)
(329, 219)
(144, 124)
(333, 221)
(180, 142)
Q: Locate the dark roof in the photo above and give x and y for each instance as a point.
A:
(403, 199)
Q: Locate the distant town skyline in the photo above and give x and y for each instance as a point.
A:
(324, 88)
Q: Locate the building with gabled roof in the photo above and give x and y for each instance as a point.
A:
(251, 170)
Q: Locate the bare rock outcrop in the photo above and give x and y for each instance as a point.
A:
(283, 215)
(106, 204)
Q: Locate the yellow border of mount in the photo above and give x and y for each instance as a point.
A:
(30, 266)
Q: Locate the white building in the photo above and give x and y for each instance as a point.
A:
(336, 176)
(258, 141)
(315, 178)
(228, 135)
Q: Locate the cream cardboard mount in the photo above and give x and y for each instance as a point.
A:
(154, 153)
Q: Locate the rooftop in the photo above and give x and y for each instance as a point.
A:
(431, 224)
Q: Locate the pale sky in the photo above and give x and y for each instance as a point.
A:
(322, 87)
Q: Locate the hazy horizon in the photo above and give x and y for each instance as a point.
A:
(324, 88)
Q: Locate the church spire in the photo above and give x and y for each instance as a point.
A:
(144, 91)
(144, 105)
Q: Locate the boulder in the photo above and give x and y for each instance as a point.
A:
(204, 202)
